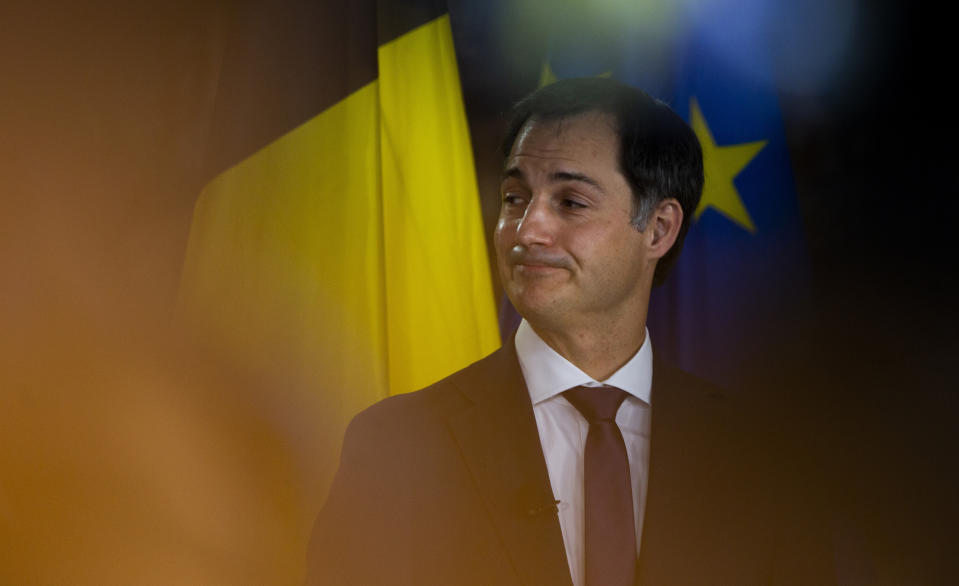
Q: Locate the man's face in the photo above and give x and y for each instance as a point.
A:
(566, 249)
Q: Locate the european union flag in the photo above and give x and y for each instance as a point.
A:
(739, 292)
(737, 300)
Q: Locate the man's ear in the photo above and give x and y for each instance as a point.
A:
(663, 227)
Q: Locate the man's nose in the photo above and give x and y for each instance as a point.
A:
(538, 225)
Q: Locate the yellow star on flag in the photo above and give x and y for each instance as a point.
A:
(721, 165)
(546, 75)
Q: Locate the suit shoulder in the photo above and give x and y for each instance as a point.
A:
(728, 417)
(674, 377)
(412, 409)
(680, 387)
(394, 414)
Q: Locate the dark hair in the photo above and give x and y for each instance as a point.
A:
(660, 156)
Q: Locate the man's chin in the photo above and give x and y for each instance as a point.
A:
(537, 303)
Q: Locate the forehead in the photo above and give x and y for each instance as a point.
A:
(587, 139)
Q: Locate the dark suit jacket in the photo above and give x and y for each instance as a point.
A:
(448, 486)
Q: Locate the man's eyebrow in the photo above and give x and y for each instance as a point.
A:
(555, 177)
(513, 172)
(573, 176)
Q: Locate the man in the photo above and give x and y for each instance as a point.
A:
(568, 456)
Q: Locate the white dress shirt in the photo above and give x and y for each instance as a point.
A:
(562, 431)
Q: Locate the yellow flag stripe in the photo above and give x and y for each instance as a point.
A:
(439, 299)
(346, 260)
(284, 263)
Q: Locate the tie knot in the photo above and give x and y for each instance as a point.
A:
(596, 403)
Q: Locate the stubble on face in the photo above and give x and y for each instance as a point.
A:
(566, 247)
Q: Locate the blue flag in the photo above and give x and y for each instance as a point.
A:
(738, 297)
(740, 290)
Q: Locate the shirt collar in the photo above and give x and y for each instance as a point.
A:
(547, 373)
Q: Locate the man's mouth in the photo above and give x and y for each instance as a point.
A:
(536, 261)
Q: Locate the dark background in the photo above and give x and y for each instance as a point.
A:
(105, 114)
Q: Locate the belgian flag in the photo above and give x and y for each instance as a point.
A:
(338, 246)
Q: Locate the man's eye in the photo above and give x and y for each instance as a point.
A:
(512, 199)
(573, 204)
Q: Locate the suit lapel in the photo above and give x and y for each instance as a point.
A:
(659, 534)
(501, 446)
(679, 524)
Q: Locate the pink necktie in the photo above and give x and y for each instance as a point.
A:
(610, 532)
